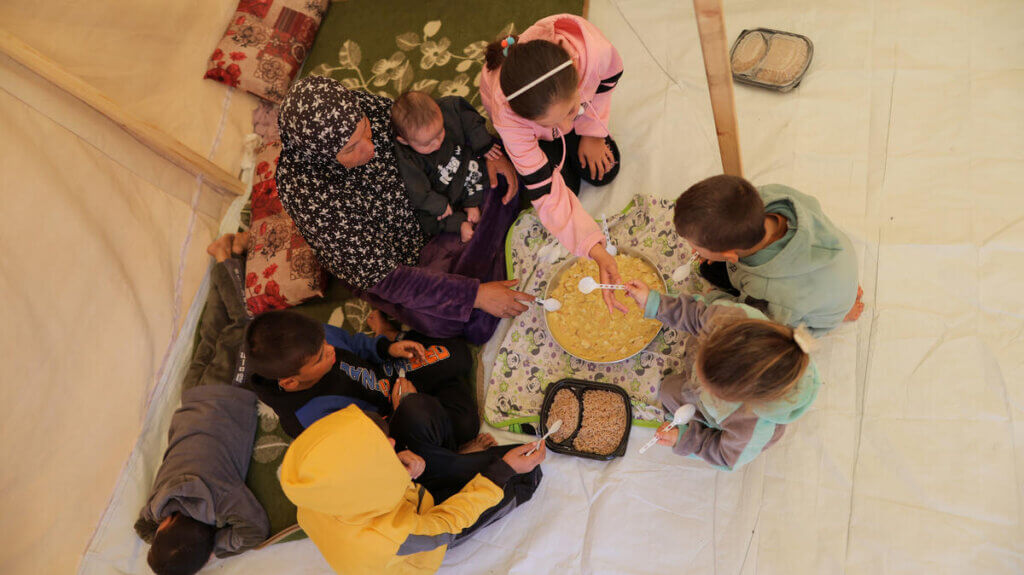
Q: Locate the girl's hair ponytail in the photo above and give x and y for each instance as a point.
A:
(753, 360)
(522, 63)
(495, 54)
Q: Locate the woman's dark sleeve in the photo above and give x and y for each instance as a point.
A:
(430, 292)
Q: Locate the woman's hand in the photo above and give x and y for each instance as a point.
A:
(609, 275)
(447, 212)
(504, 167)
(595, 154)
(668, 437)
(497, 299)
(412, 463)
(639, 291)
(407, 349)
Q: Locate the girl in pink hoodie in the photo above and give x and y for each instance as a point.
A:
(548, 93)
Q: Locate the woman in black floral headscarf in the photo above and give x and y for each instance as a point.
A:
(338, 179)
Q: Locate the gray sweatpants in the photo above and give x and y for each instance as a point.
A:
(221, 327)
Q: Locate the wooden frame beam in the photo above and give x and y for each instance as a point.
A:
(170, 148)
(711, 27)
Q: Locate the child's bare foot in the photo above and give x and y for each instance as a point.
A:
(240, 243)
(858, 307)
(380, 325)
(478, 443)
(220, 249)
(466, 230)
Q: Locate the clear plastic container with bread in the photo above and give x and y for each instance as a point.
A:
(771, 59)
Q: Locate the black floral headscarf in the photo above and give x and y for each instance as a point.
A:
(358, 221)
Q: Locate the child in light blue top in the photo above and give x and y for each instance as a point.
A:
(747, 376)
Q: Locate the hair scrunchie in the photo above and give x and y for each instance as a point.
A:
(508, 41)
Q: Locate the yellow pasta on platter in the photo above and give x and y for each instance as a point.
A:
(583, 326)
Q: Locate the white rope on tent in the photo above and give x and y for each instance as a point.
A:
(180, 279)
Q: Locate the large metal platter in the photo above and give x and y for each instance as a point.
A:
(557, 278)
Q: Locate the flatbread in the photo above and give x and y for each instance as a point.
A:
(786, 58)
(748, 52)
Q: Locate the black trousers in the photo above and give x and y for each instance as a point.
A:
(572, 170)
(447, 376)
(421, 425)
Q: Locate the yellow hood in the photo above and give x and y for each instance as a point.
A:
(344, 466)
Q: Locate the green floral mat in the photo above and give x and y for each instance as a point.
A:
(434, 46)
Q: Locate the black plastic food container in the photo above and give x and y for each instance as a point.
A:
(578, 386)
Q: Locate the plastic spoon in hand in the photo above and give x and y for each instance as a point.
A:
(401, 376)
(589, 284)
(682, 272)
(682, 416)
(551, 304)
(554, 427)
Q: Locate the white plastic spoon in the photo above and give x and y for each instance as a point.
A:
(554, 427)
(682, 416)
(401, 375)
(682, 272)
(550, 304)
(609, 246)
(589, 284)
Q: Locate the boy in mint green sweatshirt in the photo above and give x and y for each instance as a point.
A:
(774, 248)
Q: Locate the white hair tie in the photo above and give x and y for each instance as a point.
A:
(554, 71)
(804, 339)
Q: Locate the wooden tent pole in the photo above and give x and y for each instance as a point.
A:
(177, 153)
(711, 27)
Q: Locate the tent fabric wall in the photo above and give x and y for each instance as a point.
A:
(148, 56)
(96, 228)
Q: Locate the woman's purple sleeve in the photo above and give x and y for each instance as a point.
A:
(429, 292)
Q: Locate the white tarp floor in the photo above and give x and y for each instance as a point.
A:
(909, 128)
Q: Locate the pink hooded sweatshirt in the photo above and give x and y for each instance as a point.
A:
(599, 67)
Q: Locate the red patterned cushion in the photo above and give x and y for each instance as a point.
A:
(265, 44)
(281, 268)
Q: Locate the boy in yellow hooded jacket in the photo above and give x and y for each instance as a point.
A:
(359, 506)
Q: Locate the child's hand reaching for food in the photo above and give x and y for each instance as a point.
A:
(609, 274)
(639, 291)
(517, 459)
(668, 437)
